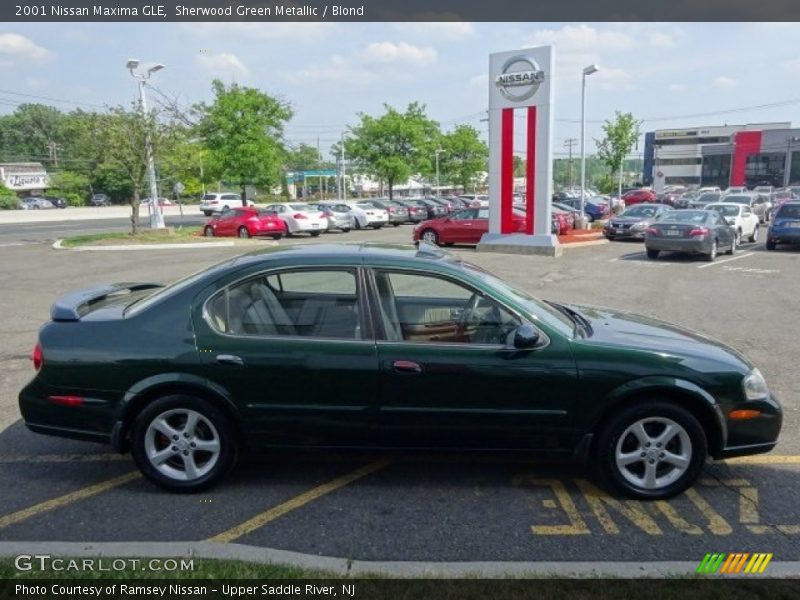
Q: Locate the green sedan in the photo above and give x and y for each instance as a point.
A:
(374, 346)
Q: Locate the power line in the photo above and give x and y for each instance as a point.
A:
(62, 100)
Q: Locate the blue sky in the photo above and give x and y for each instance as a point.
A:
(661, 72)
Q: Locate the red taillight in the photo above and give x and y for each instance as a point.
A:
(66, 400)
(652, 231)
(300, 216)
(37, 357)
(699, 231)
(215, 202)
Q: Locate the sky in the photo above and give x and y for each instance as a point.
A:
(668, 74)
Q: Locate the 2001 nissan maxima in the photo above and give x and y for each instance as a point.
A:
(339, 346)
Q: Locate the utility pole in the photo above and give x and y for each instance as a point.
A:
(53, 149)
(569, 143)
(344, 172)
(437, 152)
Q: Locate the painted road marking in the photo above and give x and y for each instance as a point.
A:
(66, 499)
(754, 271)
(296, 502)
(726, 260)
(764, 459)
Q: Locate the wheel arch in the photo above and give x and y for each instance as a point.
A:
(170, 384)
(685, 394)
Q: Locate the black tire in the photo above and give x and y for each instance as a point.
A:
(205, 212)
(243, 233)
(396, 224)
(712, 255)
(358, 224)
(431, 235)
(315, 233)
(376, 226)
(652, 254)
(734, 244)
(277, 236)
(208, 231)
(228, 442)
(609, 439)
(346, 230)
(771, 245)
(754, 237)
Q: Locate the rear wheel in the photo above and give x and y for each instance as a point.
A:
(396, 224)
(771, 245)
(243, 233)
(653, 254)
(430, 236)
(277, 236)
(753, 236)
(205, 212)
(183, 443)
(315, 233)
(346, 230)
(652, 450)
(712, 254)
(376, 225)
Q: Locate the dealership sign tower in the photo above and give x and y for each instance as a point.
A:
(521, 85)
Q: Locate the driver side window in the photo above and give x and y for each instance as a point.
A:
(429, 309)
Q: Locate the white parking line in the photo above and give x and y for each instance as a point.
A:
(719, 262)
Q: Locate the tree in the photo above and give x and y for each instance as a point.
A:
(33, 132)
(464, 156)
(395, 145)
(243, 131)
(620, 136)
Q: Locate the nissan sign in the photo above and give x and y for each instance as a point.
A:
(519, 79)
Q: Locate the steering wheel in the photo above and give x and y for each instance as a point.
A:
(469, 310)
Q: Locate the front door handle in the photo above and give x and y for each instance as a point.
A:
(406, 366)
(230, 359)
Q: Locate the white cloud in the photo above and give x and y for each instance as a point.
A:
(225, 64)
(337, 69)
(792, 66)
(612, 79)
(15, 48)
(581, 39)
(678, 87)
(297, 32)
(724, 82)
(451, 30)
(480, 81)
(389, 52)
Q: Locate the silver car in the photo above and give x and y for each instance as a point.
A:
(338, 215)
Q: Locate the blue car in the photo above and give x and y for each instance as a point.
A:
(595, 208)
(785, 226)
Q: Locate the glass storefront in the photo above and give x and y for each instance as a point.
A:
(765, 169)
(716, 170)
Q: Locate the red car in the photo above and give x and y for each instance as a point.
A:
(461, 227)
(245, 222)
(638, 197)
(562, 221)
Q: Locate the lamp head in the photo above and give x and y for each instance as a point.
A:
(132, 64)
(155, 68)
(590, 69)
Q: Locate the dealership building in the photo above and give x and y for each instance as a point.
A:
(752, 154)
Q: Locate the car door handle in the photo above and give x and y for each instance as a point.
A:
(230, 359)
(406, 366)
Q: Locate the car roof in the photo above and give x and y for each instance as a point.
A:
(355, 250)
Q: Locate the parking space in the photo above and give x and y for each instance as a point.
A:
(421, 507)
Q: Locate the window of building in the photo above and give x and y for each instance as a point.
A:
(716, 170)
(765, 169)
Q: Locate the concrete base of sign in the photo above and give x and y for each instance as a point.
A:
(518, 243)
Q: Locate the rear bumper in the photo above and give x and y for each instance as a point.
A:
(686, 246)
(624, 233)
(788, 236)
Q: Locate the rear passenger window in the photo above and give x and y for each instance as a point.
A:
(308, 303)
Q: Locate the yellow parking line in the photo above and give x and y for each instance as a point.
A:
(278, 511)
(765, 459)
(66, 499)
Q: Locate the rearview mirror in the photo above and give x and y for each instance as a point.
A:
(525, 336)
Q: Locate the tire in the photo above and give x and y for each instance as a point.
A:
(225, 208)
(376, 226)
(395, 224)
(754, 236)
(208, 232)
(712, 255)
(622, 442)
(243, 233)
(277, 236)
(430, 236)
(358, 224)
(205, 212)
(771, 245)
(213, 428)
(734, 243)
(314, 233)
(653, 254)
(346, 230)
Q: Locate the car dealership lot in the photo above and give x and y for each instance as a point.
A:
(424, 507)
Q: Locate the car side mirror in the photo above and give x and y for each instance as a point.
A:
(526, 336)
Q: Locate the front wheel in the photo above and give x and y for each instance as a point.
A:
(277, 236)
(653, 254)
(430, 236)
(652, 450)
(754, 236)
(183, 443)
(376, 225)
(243, 233)
(396, 224)
(208, 232)
(345, 230)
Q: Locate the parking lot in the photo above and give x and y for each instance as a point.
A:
(420, 507)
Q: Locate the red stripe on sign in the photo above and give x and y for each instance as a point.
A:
(507, 172)
(530, 183)
(745, 143)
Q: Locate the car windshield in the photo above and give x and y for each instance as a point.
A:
(713, 197)
(738, 199)
(301, 207)
(640, 211)
(686, 216)
(537, 310)
(788, 211)
(725, 211)
(145, 302)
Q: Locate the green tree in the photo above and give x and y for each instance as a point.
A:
(74, 187)
(620, 136)
(185, 162)
(33, 132)
(464, 156)
(395, 145)
(243, 132)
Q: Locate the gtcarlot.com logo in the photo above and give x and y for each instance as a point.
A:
(45, 562)
(736, 563)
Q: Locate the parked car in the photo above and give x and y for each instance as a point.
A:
(245, 222)
(739, 216)
(562, 222)
(57, 201)
(594, 207)
(758, 203)
(574, 212)
(781, 197)
(461, 227)
(690, 232)
(634, 221)
(161, 201)
(763, 189)
(638, 196)
(736, 189)
(300, 217)
(709, 188)
(785, 227)
(338, 214)
(375, 217)
(435, 210)
(37, 203)
(448, 356)
(704, 198)
(417, 210)
(397, 213)
(684, 199)
(100, 199)
(219, 202)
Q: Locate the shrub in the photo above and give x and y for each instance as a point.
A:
(9, 202)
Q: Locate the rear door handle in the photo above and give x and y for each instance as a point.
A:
(230, 359)
(406, 366)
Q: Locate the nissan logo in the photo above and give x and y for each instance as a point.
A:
(519, 79)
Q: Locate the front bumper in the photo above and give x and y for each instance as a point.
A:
(754, 436)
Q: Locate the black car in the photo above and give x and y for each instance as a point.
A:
(417, 210)
(635, 221)
(435, 209)
(706, 198)
(692, 232)
(100, 200)
(57, 201)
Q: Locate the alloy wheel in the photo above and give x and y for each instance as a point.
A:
(653, 453)
(182, 444)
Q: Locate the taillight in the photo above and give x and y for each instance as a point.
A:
(66, 400)
(699, 231)
(300, 216)
(652, 231)
(215, 202)
(37, 357)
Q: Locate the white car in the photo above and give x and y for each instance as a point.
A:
(739, 216)
(300, 217)
(372, 216)
(220, 202)
(709, 188)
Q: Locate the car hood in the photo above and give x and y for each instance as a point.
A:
(637, 332)
(631, 220)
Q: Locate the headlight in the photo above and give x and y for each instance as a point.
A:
(754, 385)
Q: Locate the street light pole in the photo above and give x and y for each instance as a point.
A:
(344, 173)
(586, 71)
(437, 152)
(156, 216)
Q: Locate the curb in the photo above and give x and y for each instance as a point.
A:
(57, 246)
(346, 567)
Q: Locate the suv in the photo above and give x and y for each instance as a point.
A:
(100, 200)
(220, 202)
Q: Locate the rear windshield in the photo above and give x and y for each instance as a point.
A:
(725, 211)
(789, 211)
(640, 211)
(738, 199)
(301, 207)
(688, 216)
